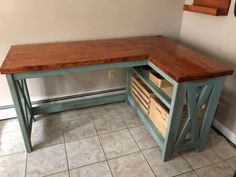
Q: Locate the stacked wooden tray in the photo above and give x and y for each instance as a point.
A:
(141, 93)
(159, 115)
(152, 106)
(160, 82)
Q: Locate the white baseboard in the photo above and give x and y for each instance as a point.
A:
(225, 131)
(8, 111)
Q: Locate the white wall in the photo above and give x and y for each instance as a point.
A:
(31, 21)
(216, 38)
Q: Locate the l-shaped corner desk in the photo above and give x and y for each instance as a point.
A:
(190, 74)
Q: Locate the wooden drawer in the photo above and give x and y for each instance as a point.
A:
(141, 93)
(158, 80)
(139, 102)
(144, 90)
(158, 113)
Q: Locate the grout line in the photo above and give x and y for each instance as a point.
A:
(124, 155)
(137, 145)
(209, 165)
(142, 153)
(187, 163)
(82, 166)
(185, 173)
(56, 173)
(230, 158)
(213, 151)
(196, 173)
(101, 144)
(65, 146)
(12, 154)
(185, 160)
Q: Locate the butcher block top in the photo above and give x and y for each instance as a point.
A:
(179, 62)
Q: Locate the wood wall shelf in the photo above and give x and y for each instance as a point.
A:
(210, 7)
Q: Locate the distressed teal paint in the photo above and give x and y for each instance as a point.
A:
(184, 132)
(26, 92)
(204, 95)
(128, 83)
(35, 74)
(26, 106)
(20, 114)
(210, 112)
(177, 103)
(184, 146)
(192, 109)
(65, 106)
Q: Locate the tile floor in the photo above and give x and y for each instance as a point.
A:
(105, 141)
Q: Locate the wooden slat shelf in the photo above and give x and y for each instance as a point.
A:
(210, 7)
(157, 91)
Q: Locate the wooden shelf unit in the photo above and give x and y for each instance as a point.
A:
(209, 7)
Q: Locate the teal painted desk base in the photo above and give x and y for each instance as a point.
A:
(176, 138)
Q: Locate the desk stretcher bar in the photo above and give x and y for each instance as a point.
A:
(190, 74)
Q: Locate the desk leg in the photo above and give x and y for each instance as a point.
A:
(191, 131)
(128, 84)
(210, 112)
(177, 104)
(25, 124)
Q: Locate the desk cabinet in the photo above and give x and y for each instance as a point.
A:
(197, 82)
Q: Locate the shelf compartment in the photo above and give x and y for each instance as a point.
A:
(147, 122)
(158, 80)
(210, 7)
(157, 91)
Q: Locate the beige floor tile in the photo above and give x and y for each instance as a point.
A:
(9, 125)
(47, 135)
(188, 174)
(46, 161)
(84, 152)
(96, 170)
(201, 159)
(49, 119)
(118, 143)
(173, 167)
(221, 146)
(11, 142)
(143, 137)
(232, 163)
(79, 129)
(108, 122)
(100, 110)
(13, 165)
(133, 165)
(130, 117)
(62, 174)
(121, 105)
(221, 169)
(75, 114)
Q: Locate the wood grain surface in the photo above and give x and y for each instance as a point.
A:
(181, 63)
